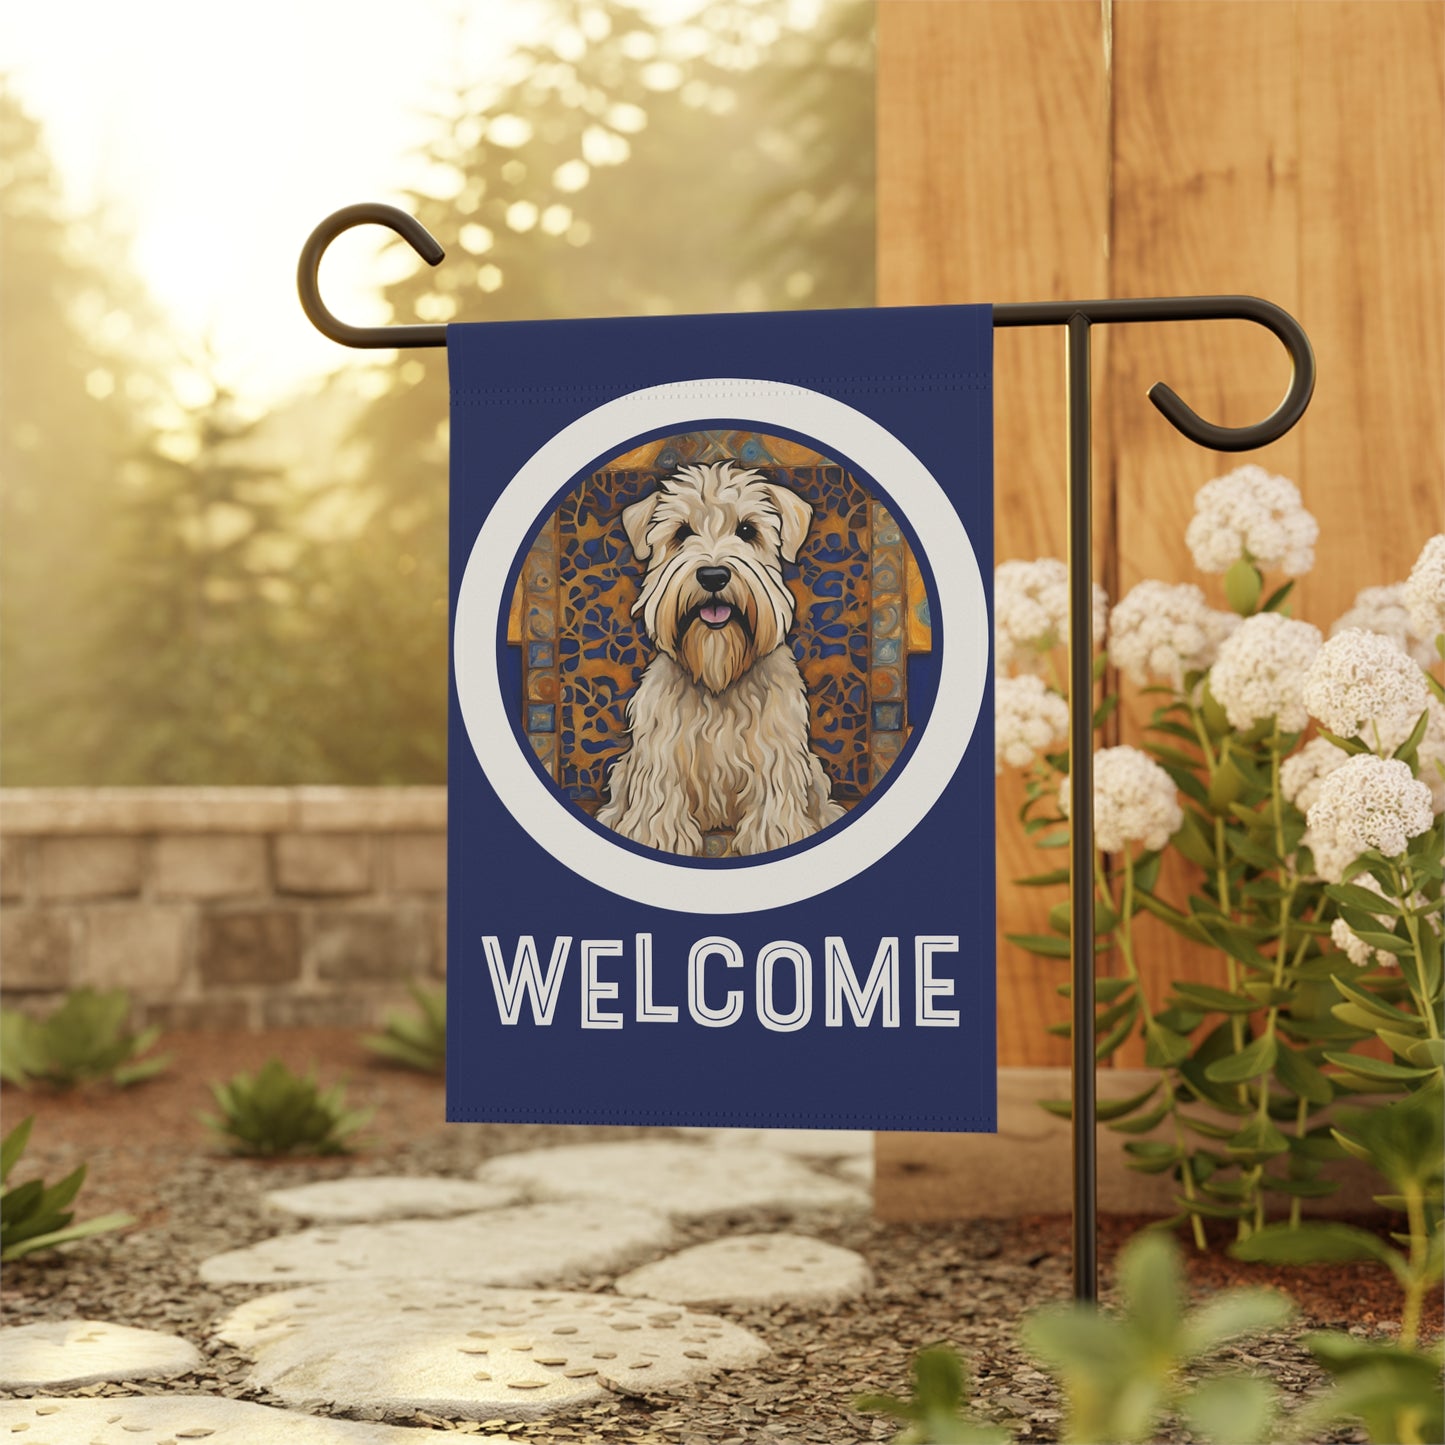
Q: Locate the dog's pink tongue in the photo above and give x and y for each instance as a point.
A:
(715, 613)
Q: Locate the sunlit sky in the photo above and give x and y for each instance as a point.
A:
(220, 133)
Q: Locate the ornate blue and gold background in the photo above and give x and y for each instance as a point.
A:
(862, 615)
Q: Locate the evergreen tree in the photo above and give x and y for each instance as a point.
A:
(202, 664)
(70, 404)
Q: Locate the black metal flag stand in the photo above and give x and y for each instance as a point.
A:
(1078, 317)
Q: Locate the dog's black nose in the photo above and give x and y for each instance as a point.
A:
(714, 578)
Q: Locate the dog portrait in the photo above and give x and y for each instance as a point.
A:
(721, 643)
(719, 722)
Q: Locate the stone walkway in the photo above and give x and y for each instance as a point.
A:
(409, 1296)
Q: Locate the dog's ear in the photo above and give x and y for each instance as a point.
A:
(796, 515)
(636, 519)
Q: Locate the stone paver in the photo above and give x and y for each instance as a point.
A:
(803, 1143)
(474, 1353)
(180, 1419)
(690, 1181)
(753, 1269)
(526, 1244)
(87, 1352)
(351, 1201)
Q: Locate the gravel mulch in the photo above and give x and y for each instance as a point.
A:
(965, 1283)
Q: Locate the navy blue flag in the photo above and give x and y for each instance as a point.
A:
(721, 784)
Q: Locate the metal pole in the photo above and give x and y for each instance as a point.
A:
(1076, 316)
(1081, 813)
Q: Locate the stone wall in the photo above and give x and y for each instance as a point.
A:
(224, 907)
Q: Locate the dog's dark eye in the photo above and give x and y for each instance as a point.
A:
(683, 533)
(747, 532)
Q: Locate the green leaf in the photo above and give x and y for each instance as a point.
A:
(1427, 1053)
(1163, 1047)
(1042, 944)
(1152, 1156)
(1353, 896)
(1313, 1243)
(1044, 880)
(1242, 586)
(1216, 1000)
(100, 1225)
(1385, 942)
(1104, 1047)
(127, 1074)
(1371, 1003)
(1300, 1076)
(1259, 1139)
(1276, 599)
(1369, 1068)
(1408, 750)
(1106, 990)
(1257, 855)
(1249, 1063)
(1300, 1188)
(13, 1146)
(1230, 1315)
(1142, 1123)
(1232, 1409)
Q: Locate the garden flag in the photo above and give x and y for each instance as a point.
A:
(721, 767)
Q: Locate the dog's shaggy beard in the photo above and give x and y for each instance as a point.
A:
(716, 657)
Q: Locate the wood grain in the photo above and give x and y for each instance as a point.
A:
(1372, 288)
(1295, 150)
(992, 186)
(1206, 165)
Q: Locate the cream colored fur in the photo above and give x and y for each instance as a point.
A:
(719, 721)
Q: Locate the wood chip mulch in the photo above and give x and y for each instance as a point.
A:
(965, 1283)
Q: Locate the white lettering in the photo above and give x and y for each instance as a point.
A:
(802, 963)
(593, 989)
(929, 987)
(697, 1005)
(842, 985)
(525, 978)
(647, 1011)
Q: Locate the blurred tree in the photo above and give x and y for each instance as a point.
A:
(620, 167)
(72, 404)
(202, 658)
(177, 607)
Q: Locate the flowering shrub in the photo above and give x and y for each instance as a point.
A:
(1302, 780)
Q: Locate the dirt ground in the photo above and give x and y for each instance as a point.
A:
(149, 1154)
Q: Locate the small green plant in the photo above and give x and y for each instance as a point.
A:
(936, 1412)
(278, 1112)
(419, 1040)
(1393, 1387)
(1121, 1372)
(84, 1040)
(33, 1215)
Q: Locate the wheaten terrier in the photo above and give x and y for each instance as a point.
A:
(719, 722)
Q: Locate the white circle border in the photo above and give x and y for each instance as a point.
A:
(837, 857)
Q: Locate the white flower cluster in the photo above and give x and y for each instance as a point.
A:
(1031, 613)
(1425, 590)
(1261, 669)
(1361, 685)
(1252, 515)
(1368, 802)
(1331, 856)
(1383, 610)
(1160, 632)
(1301, 774)
(1028, 719)
(1351, 944)
(1135, 801)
